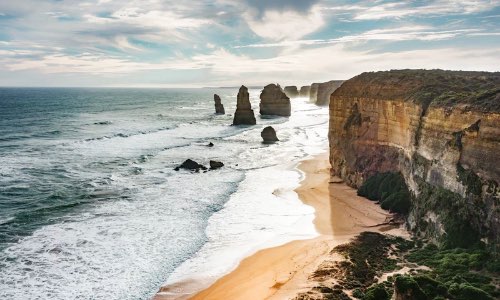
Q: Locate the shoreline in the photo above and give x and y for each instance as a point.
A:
(282, 272)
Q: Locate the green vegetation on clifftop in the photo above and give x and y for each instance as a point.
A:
(477, 90)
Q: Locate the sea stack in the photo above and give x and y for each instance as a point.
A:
(219, 107)
(313, 92)
(244, 112)
(325, 90)
(291, 91)
(273, 101)
(304, 91)
(268, 134)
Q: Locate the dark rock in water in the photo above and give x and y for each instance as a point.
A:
(304, 91)
(273, 101)
(244, 112)
(210, 144)
(268, 134)
(191, 165)
(219, 108)
(291, 91)
(103, 123)
(216, 165)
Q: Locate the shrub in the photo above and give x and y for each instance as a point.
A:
(406, 285)
(376, 292)
(388, 188)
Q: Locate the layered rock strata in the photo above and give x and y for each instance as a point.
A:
(219, 107)
(440, 129)
(273, 101)
(244, 113)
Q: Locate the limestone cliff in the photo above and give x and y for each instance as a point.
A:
(325, 89)
(273, 101)
(440, 129)
(244, 113)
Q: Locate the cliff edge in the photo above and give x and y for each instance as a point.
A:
(440, 130)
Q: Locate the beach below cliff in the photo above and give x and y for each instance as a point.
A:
(284, 271)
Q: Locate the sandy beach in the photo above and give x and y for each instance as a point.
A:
(282, 272)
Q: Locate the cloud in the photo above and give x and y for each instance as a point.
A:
(339, 62)
(168, 23)
(235, 41)
(408, 33)
(402, 9)
(300, 6)
(95, 64)
(280, 25)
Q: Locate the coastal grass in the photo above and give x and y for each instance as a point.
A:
(435, 273)
(457, 273)
(475, 90)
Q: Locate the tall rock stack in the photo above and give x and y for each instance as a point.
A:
(325, 90)
(291, 91)
(304, 91)
(273, 101)
(313, 92)
(244, 112)
(219, 108)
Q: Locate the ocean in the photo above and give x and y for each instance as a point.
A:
(91, 208)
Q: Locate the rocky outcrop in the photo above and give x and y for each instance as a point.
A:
(325, 90)
(268, 134)
(291, 91)
(313, 92)
(219, 108)
(304, 91)
(244, 113)
(273, 101)
(440, 129)
(190, 165)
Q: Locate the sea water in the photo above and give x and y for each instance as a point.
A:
(91, 208)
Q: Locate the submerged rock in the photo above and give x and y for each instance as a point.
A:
(291, 91)
(268, 134)
(190, 165)
(219, 107)
(273, 101)
(244, 113)
(216, 164)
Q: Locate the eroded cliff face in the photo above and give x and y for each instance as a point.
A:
(440, 129)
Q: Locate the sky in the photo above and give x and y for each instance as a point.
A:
(154, 43)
